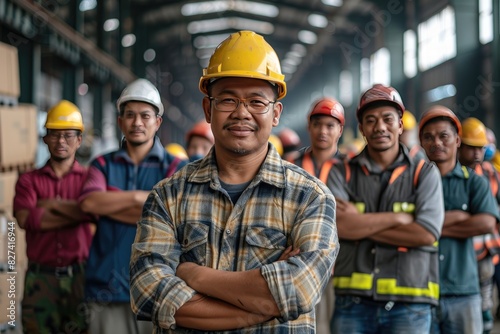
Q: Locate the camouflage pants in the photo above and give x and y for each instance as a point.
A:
(54, 304)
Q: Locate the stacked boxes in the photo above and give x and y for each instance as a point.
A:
(18, 145)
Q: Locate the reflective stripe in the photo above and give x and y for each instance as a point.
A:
(358, 281)
(385, 286)
(388, 286)
(403, 207)
(465, 171)
(308, 165)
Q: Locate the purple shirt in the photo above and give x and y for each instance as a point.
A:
(57, 247)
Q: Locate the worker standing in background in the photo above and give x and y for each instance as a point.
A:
(487, 246)
(58, 233)
(199, 140)
(470, 210)
(409, 137)
(116, 189)
(290, 141)
(390, 214)
(325, 123)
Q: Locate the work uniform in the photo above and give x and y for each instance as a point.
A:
(303, 158)
(459, 280)
(196, 220)
(53, 298)
(370, 272)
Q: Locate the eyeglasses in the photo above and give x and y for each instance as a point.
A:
(254, 105)
(68, 136)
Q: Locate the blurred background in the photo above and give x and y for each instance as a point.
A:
(86, 51)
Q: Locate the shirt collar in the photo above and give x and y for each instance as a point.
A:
(157, 151)
(272, 171)
(363, 159)
(75, 168)
(457, 171)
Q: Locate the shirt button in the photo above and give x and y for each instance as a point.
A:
(59, 245)
(228, 231)
(373, 250)
(441, 257)
(464, 207)
(376, 270)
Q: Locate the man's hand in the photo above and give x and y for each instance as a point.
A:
(346, 206)
(288, 253)
(404, 218)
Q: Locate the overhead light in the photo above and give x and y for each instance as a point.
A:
(83, 89)
(291, 61)
(242, 6)
(333, 3)
(86, 5)
(204, 53)
(128, 40)
(440, 93)
(288, 69)
(238, 23)
(299, 49)
(208, 41)
(307, 37)
(149, 55)
(111, 24)
(317, 20)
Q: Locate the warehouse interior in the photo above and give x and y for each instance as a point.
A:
(432, 51)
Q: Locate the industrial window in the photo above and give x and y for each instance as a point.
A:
(410, 53)
(364, 74)
(380, 67)
(345, 88)
(437, 39)
(485, 21)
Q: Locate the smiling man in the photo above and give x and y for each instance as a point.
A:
(390, 213)
(239, 241)
(116, 189)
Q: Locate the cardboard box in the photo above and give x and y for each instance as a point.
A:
(19, 137)
(31, 117)
(8, 182)
(9, 67)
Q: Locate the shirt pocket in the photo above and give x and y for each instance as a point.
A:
(265, 245)
(194, 243)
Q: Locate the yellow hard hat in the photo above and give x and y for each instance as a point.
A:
(64, 116)
(273, 139)
(474, 132)
(176, 150)
(244, 54)
(409, 121)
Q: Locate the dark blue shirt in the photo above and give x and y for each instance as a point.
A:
(107, 274)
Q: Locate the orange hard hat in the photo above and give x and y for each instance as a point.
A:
(328, 107)
(202, 129)
(289, 138)
(380, 94)
(439, 111)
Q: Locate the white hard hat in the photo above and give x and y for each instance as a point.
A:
(141, 90)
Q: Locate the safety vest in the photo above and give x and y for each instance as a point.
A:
(308, 165)
(385, 272)
(488, 243)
